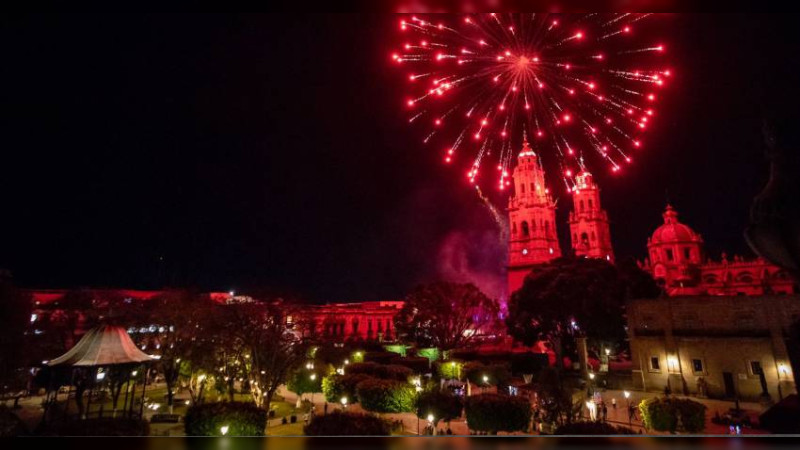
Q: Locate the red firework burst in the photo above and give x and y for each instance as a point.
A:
(581, 84)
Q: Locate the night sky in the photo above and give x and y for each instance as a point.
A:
(242, 152)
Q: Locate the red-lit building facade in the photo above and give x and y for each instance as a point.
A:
(677, 259)
(676, 255)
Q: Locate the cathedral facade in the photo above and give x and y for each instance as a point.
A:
(676, 254)
(532, 219)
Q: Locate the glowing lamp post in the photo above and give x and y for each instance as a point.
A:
(433, 427)
(344, 402)
(628, 400)
(224, 430)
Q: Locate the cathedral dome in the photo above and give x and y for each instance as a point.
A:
(672, 231)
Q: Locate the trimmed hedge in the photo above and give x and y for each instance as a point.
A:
(493, 413)
(442, 404)
(338, 423)
(242, 419)
(337, 386)
(415, 363)
(664, 414)
(386, 396)
(380, 357)
(386, 372)
(592, 428)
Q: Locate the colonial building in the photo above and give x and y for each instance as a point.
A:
(718, 346)
(337, 322)
(532, 218)
(588, 221)
(677, 259)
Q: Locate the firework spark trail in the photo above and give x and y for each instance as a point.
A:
(499, 219)
(581, 84)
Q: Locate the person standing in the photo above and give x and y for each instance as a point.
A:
(605, 411)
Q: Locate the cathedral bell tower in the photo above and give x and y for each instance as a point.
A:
(532, 219)
(588, 222)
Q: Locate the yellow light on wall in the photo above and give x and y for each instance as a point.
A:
(672, 363)
(783, 371)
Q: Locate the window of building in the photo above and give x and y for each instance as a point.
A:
(525, 231)
(697, 365)
(670, 257)
(532, 189)
(655, 365)
(755, 368)
(590, 204)
(522, 188)
(514, 228)
(687, 253)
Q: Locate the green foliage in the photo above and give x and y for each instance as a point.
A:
(432, 354)
(242, 419)
(339, 423)
(300, 382)
(337, 386)
(692, 414)
(493, 413)
(592, 292)
(450, 369)
(396, 348)
(387, 372)
(664, 414)
(386, 396)
(496, 374)
(417, 365)
(592, 428)
(445, 315)
(442, 404)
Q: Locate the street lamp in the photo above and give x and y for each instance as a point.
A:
(344, 402)
(628, 399)
(433, 428)
(313, 377)
(223, 429)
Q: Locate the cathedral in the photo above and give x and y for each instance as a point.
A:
(676, 255)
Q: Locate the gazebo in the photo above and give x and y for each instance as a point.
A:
(105, 357)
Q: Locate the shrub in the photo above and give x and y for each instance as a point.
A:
(337, 386)
(692, 414)
(592, 428)
(664, 414)
(493, 413)
(339, 423)
(242, 419)
(381, 357)
(387, 372)
(416, 364)
(300, 382)
(386, 396)
(103, 427)
(498, 374)
(442, 404)
(447, 370)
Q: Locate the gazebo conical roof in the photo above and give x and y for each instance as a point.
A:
(105, 345)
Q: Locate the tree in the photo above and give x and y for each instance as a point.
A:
(183, 335)
(15, 309)
(493, 413)
(445, 315)
(575, 297)
(443, 405)
(385, 396)
(272, 349)
(554, 401)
